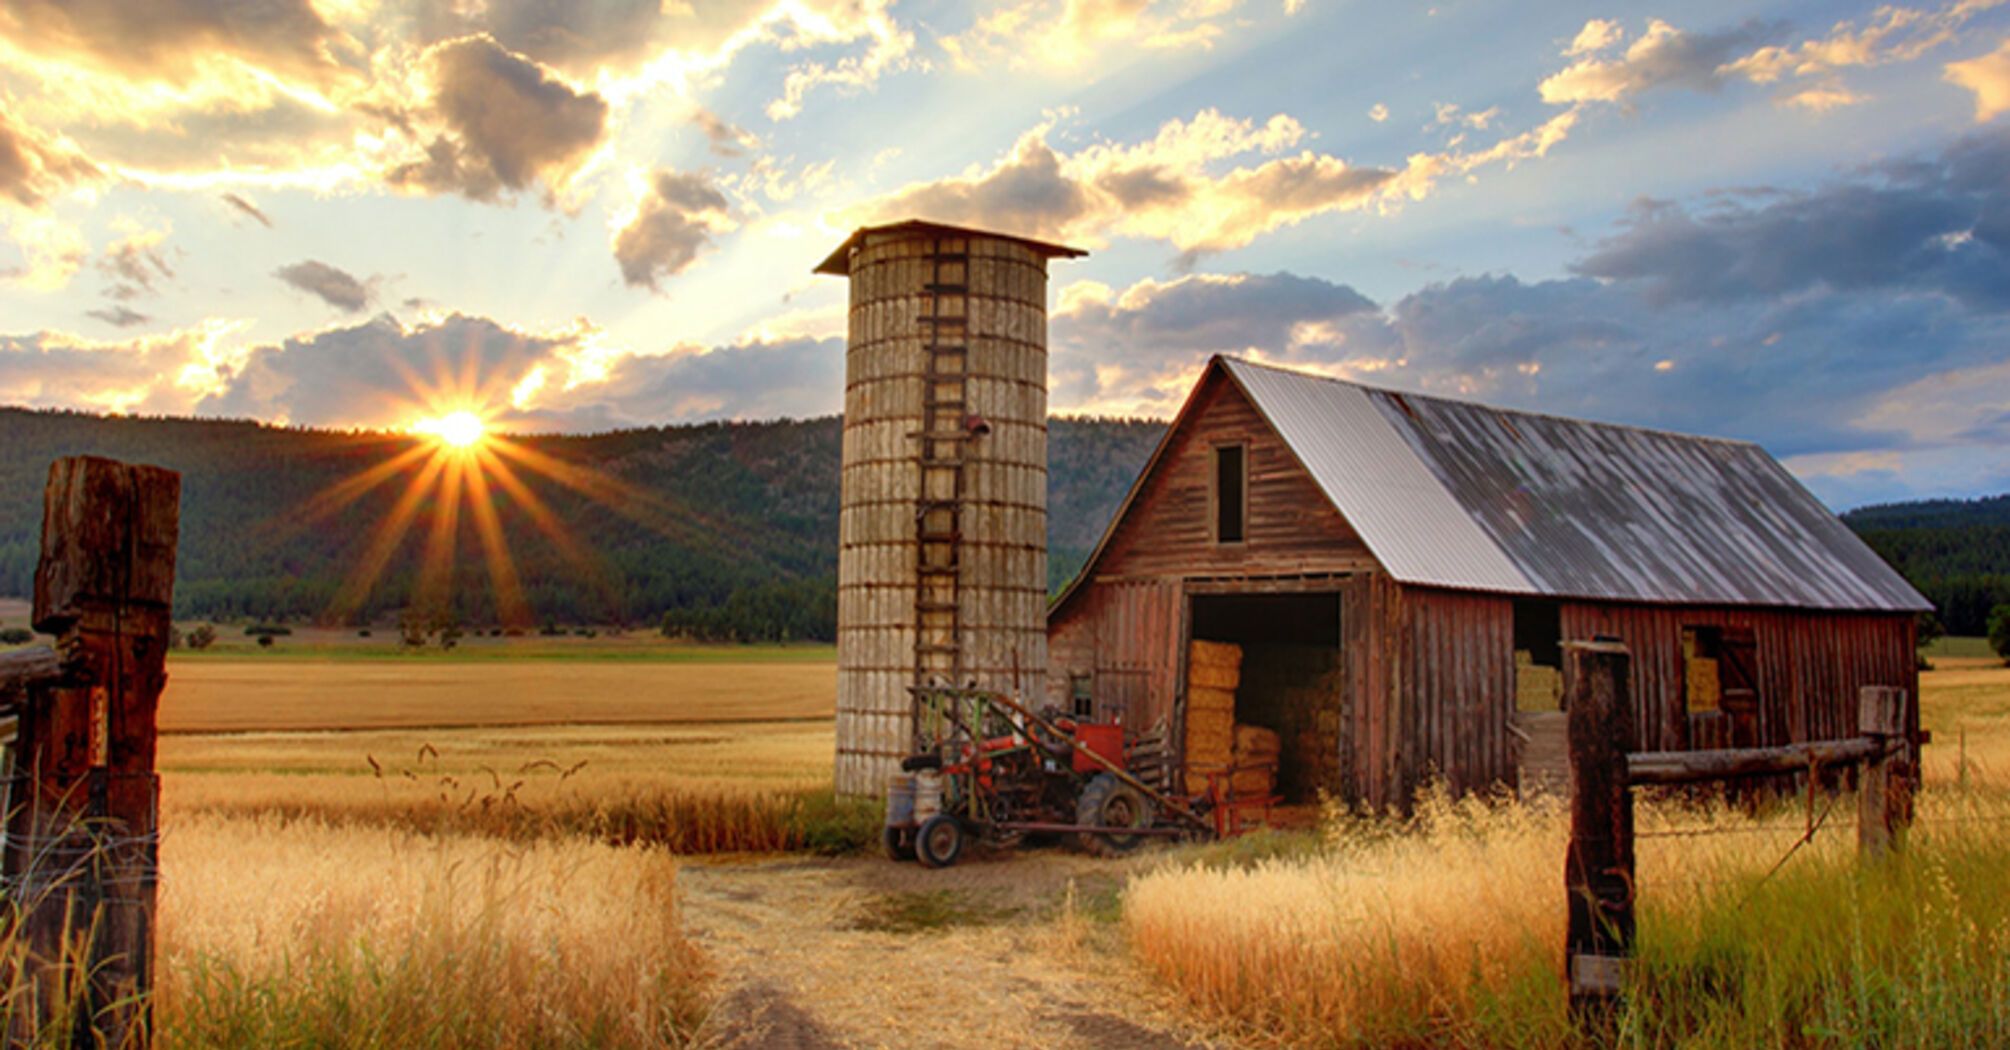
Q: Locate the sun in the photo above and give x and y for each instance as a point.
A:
(461, 430)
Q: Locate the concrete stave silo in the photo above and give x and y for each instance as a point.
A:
(942, 562)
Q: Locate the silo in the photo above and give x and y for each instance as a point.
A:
(942, 535)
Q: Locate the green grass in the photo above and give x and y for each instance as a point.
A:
(1953, 647)
(925, 910)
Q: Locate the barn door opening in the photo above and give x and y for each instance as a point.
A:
(1286, 692)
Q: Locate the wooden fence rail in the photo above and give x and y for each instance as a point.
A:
(1599, 868)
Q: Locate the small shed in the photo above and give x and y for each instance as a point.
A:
(1400, 571)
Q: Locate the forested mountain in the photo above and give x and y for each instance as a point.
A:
(1957, 552)
(731, 527)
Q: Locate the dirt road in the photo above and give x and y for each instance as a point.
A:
(862, 952)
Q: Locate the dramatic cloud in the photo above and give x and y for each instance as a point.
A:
(1664, 56)
(1667, 57)
(35, 167)
(509, 122)
(1989, 77)
(1941, 227)
(243, 205)
(179, 41)
(164, 373)
(675, 220)
(1171, 187)
(333, 286)
(383, 373)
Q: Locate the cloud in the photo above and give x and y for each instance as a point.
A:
(757, 379)
(891, 49)
(726, 140)
(1667, 57)
(35, 167)
(239, 202)
(1378, 112)
(1664, 56)
(384, 373)
(509, 122)
(134, 263)
(1597, 35)
(180, 41)
(673, 223)
(1989, 77)
(119, 316)
(1941, 226)
(333, 286)
(1063, 34)
(165, 373)
(1172, 188)
(51, 251)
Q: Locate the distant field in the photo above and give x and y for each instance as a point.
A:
(226, 694)
(1960, 649)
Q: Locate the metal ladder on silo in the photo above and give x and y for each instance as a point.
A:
(943, 439)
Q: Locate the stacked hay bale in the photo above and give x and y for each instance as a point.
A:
(1214, 669)
(1536, 688)
(1240, 758)
(1255, 761)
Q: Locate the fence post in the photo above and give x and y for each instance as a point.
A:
(1881, 805)
(1598, 871)
(82, 845)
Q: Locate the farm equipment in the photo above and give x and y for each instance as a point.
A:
(986, 767)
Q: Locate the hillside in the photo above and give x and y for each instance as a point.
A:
(1957, 552)
(732, 525)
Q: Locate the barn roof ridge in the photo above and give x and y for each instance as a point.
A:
(1375, 388)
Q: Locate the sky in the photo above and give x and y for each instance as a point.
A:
(1786, 223)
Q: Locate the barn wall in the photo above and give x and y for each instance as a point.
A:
(1454, 690)
(1810, 665)
(1129, 635)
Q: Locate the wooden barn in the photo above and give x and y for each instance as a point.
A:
(1399, 571)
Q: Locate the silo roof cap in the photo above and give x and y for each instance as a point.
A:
(839, 262)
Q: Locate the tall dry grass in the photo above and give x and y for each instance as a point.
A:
(280, 933)
(1447, 928)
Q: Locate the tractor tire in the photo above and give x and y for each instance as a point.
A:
(899, 842)
(939, 841)
(1110, 803)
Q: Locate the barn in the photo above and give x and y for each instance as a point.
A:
(1399, 571)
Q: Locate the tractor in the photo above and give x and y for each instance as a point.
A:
(985, 767)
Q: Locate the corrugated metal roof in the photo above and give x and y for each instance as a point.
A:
(839, 262)
(1452, 494)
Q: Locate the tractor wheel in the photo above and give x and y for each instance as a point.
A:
(899, 842)
(1110, 803)
(939, 841)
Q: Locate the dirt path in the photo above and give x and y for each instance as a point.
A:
(862, 952)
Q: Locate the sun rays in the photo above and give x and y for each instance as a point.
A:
(458, 469)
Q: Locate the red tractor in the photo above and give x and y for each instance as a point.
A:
(988, 768)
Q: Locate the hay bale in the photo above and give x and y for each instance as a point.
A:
(1257, 743)
(1214, 654)
(1213, 676)
(1200, 698)
(1257, 781)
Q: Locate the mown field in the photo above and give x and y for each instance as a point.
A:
(482, 865)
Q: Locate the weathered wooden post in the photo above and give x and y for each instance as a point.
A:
(1882, 802)
(1598, 871)
(82, 842)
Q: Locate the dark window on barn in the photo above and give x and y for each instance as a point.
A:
(1231, 505)
(1538, 655)
(1081, 697)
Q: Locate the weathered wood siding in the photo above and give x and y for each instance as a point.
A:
(1454, 692)
(1129, 636)
(1810, 665)
(1292, 528)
